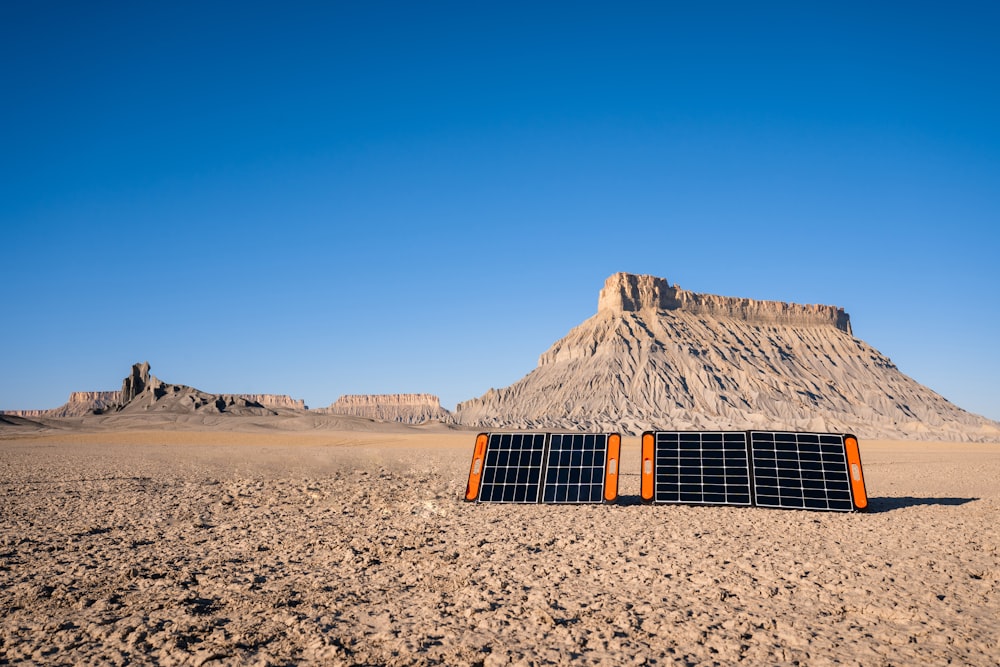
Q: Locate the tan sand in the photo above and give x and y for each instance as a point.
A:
(356, 548)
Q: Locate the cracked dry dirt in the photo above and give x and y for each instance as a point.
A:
(226, 549)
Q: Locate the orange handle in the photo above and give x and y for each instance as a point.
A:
(476, 470)
(648, 451)
(611, 467)
(854, 469)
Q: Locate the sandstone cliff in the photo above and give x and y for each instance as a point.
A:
(403, 408)
(27, 414)
(626, 292)
(80, 403)
(656, 356)
(281, 401)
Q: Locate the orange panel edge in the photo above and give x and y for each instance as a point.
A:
(646, 486)
(476, 469)
(611, 467)
(858, 492)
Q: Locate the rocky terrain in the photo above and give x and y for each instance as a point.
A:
(657, 356)
(403, 408)
(221, 548)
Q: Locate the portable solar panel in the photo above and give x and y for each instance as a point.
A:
(813, 471)
(802, 471)
(544, 467)
(701, 468)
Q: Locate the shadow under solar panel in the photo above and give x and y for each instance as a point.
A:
(814, 471)
(543, 467)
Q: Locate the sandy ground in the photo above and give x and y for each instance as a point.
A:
(356, 548)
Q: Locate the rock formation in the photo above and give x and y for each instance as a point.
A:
(625, 292)
(403, 408)
(135, 383)
(657, 356)
(143, 392)
(25, 414)
(80, 403)
(83, 403)
(282, 401)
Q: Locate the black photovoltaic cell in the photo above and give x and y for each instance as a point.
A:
(513, 468)
(801, 471)
(544, 468)
(701, 468)
(788, 470)
(574, 471)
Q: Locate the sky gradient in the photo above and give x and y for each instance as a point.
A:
(319, 199)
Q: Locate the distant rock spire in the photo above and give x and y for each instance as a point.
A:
(135, 383)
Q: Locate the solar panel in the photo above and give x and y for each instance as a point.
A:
(544, 467)
(813, 471)
(801, 471)
(512, 468)
(701, 468)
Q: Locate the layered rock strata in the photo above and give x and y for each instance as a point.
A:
(658, 357)
(80, 403)
(281, 401)
(403, 408)
(27, 414)
(626, 292)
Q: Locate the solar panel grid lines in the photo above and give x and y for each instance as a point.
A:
(573, 468)
(779, 469)
(789, 470)
(513, 467)
(801, 471)
(701, 467)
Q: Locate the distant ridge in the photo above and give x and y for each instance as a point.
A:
(654, 356)
(402, 408)
(152, 394)
(658, 356)
(143, 392)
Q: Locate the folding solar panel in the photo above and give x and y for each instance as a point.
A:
(544, 467)
(701, 468)
(803, 471)
(813, 471)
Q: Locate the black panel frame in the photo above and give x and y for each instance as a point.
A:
(810, 471)
(783, 469)
(705, 468)
(557, 476)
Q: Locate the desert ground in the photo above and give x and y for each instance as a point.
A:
(229, 548)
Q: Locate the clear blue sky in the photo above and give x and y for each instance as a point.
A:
(324, 198)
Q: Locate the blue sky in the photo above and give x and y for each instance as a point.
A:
(325, 198)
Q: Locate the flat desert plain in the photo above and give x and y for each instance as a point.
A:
(205, 548)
